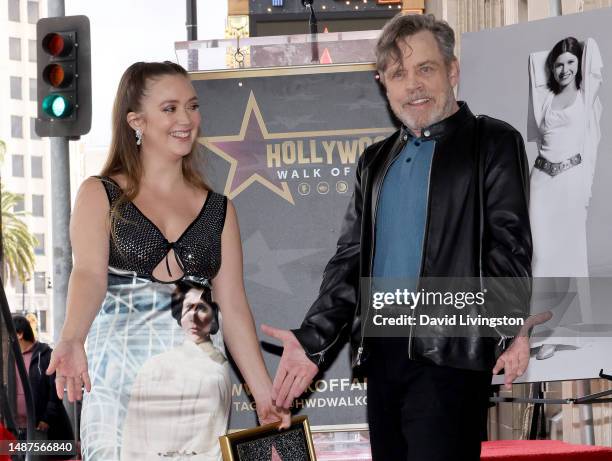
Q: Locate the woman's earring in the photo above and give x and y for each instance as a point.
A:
(138, 136)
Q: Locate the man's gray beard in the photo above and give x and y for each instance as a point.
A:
(447, 111)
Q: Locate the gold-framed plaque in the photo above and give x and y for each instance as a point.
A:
(267, 443)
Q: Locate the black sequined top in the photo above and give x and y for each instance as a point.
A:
(139, 246)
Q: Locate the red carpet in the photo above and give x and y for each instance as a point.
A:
(542, 450)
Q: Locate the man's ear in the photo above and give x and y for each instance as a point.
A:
(135, 120)
(453, 72)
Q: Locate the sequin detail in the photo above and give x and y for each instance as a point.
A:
(140, 246)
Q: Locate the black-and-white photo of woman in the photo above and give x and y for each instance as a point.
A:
(567, 112)
(566, 127)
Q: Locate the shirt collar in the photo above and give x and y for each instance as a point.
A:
(443, 127)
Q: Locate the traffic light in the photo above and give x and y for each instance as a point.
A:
(63, 58)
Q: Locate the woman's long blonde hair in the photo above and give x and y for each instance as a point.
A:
(124, 155)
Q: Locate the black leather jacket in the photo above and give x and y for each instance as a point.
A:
(477, 226)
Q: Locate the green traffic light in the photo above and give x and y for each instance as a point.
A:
(57, 106)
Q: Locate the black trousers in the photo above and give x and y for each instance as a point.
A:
(423, 412)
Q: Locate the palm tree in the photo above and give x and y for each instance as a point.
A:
(18, 243)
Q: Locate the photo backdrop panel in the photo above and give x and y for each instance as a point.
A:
(495, 80)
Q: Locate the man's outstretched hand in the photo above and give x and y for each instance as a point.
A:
(515, 359)
(295, 370)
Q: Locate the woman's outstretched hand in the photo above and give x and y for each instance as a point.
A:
(69, 363)
(267, 413)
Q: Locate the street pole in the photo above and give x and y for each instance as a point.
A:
(62, 250)
(192, 20)
(60, 192)
(192, 34)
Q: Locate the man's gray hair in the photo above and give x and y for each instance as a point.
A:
(402, 26)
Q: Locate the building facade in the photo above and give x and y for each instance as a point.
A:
(26, 168)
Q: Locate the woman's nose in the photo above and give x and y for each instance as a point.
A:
(200, 317)
(184, 117)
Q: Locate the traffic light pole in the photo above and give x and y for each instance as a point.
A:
(192, 20)
(192, 33)
(62, 250)
(60, 193)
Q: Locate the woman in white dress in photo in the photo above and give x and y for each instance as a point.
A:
(565, 125)
(180, 399)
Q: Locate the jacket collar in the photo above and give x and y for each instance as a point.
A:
(443, 127)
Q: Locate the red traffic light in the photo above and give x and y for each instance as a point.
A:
(57, 44)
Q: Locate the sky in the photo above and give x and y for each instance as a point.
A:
(126, 31)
